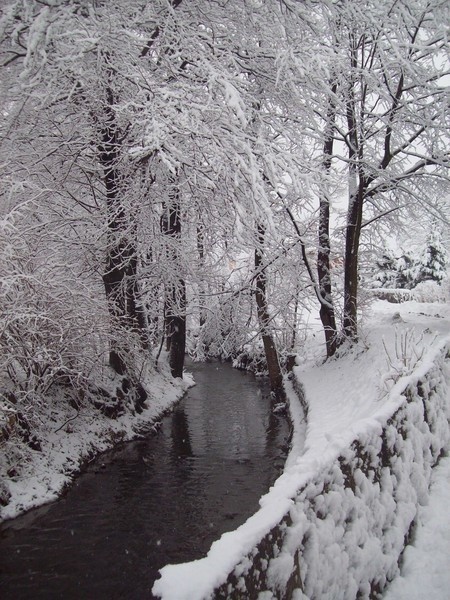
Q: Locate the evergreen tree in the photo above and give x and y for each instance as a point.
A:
(386, 274)
(432, 265)
(405, 277)
(406, 271)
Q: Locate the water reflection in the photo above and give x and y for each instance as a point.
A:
(160, 500)
(181, 442)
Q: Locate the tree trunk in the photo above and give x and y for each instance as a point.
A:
(202, 347)
(355, 210)
(201, 285)
(327, 315)
(295, 319)
(120, 266)
(273, 364)
(353, 234)
(175, 309)
(120, 275)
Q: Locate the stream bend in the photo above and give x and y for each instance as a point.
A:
(152, 502)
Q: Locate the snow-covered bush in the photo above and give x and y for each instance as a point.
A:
(431, 291)
(408, 351)
(52, 328)
(251, 358)
(427, 291)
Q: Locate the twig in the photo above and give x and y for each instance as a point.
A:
(68, 421)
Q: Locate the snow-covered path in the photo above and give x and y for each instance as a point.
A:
(425, 573)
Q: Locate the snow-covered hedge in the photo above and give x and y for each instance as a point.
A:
(344, 532)
(427, 291)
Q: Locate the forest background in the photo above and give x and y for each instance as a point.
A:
(206, 177)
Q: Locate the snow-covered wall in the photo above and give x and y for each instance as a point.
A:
(344, 536)
(344, 530)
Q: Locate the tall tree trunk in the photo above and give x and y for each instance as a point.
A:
(295, 320)
(201, 285)
(120, 275)
(273, 364)
(327, 314)
(353, 234)
(175, 306)
(355, 210)
(202, 348)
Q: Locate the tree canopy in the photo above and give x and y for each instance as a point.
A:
(191, 174)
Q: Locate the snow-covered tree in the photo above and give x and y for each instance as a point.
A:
(160, 138)
(407, 269)
(127, 102)
(386, 271)
(379, 111)
(405, 272)
(432, 263)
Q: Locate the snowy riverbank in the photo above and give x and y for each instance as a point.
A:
(68, 439)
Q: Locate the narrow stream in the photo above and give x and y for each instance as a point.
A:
(156, 501)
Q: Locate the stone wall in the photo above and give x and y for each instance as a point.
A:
(345, 533)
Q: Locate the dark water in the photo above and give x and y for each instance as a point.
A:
(153, 502)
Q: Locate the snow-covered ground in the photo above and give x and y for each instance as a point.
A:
(343, 393)
(68, 438)
(346, 397)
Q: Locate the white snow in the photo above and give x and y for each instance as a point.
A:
(425, 572)
(349, 398)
